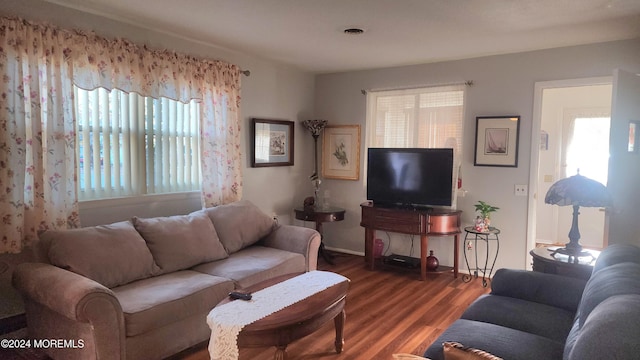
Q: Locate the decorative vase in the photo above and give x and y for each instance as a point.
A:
(479, 224)
(432, 261)
(316, 192)
(378, 248)
(486, 222)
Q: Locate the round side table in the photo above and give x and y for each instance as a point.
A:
(319, 216)
(472, 235)
(547, 261)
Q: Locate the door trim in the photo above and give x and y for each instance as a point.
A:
(539, 87)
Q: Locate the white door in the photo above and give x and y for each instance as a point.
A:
(624, 166)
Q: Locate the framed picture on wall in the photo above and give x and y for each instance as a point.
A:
(497, 141)
(634, 127)
(341, 152)
(272, 143)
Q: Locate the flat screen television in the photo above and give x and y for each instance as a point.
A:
(410, 176)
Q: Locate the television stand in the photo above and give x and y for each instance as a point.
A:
(426, 222)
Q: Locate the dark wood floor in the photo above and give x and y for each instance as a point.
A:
(387, 312)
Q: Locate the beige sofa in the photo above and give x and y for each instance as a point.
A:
(142, 289)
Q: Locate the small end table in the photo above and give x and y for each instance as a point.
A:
(320, 215)
(547, 261)
(474, 235)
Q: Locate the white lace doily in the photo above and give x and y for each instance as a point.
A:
(227, 321)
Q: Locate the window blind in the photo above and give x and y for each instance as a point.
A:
(129, 144)
(430, 117)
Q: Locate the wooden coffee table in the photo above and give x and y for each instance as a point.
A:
(296, 321)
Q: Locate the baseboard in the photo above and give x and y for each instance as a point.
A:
(345, 251)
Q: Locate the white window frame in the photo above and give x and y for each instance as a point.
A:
(409, 135)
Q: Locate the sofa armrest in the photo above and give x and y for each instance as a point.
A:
(296, 239)
(554, 290)
(76, 298)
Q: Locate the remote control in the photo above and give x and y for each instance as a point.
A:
(240, 295)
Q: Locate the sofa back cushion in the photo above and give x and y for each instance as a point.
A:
(615, 254)
(610, 332)
(112, 254)
(240, 224)
(182, 241)
(619, 279)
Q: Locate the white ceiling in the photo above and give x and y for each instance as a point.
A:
(309, 33)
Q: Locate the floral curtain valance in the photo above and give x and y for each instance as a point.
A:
(121, 64)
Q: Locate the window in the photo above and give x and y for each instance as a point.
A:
(588, 148)
(131, 145)
(424, 118)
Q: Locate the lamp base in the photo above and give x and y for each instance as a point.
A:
(574, 253)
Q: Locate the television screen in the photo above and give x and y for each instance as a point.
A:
(409, 176)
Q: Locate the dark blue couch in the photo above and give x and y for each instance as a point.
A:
(533, 315)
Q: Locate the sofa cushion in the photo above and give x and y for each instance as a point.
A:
(497, 340)
(619, 279)
(240, 224)
(112, 254)
(615, 254)
(165, 299)
(255, 264)
(610, 332)
(180, 242)
(456, 351)
(535, 318)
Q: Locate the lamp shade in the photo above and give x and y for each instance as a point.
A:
(578, 190)
(315, 126)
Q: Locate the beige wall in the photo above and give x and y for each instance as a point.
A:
(503, 85)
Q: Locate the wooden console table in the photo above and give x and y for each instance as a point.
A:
(423, 222)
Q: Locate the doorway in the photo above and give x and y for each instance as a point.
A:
(572, 118)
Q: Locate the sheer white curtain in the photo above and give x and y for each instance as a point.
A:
(37, 134)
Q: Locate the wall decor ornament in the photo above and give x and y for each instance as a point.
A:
(341, 152)
(272, 143)
(497, 141)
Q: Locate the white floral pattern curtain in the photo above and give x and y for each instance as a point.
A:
(39, 65)
(37, 134)
(126, 66)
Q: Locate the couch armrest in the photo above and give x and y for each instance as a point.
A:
(554, 290)
(76, 298)
(296, 239)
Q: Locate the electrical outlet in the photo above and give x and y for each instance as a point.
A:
(521, 190)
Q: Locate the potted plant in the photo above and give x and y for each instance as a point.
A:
(485, 215)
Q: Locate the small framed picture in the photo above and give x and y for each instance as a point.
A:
(634, 126)
(272, 143)
(341, 152)
(497, 141)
